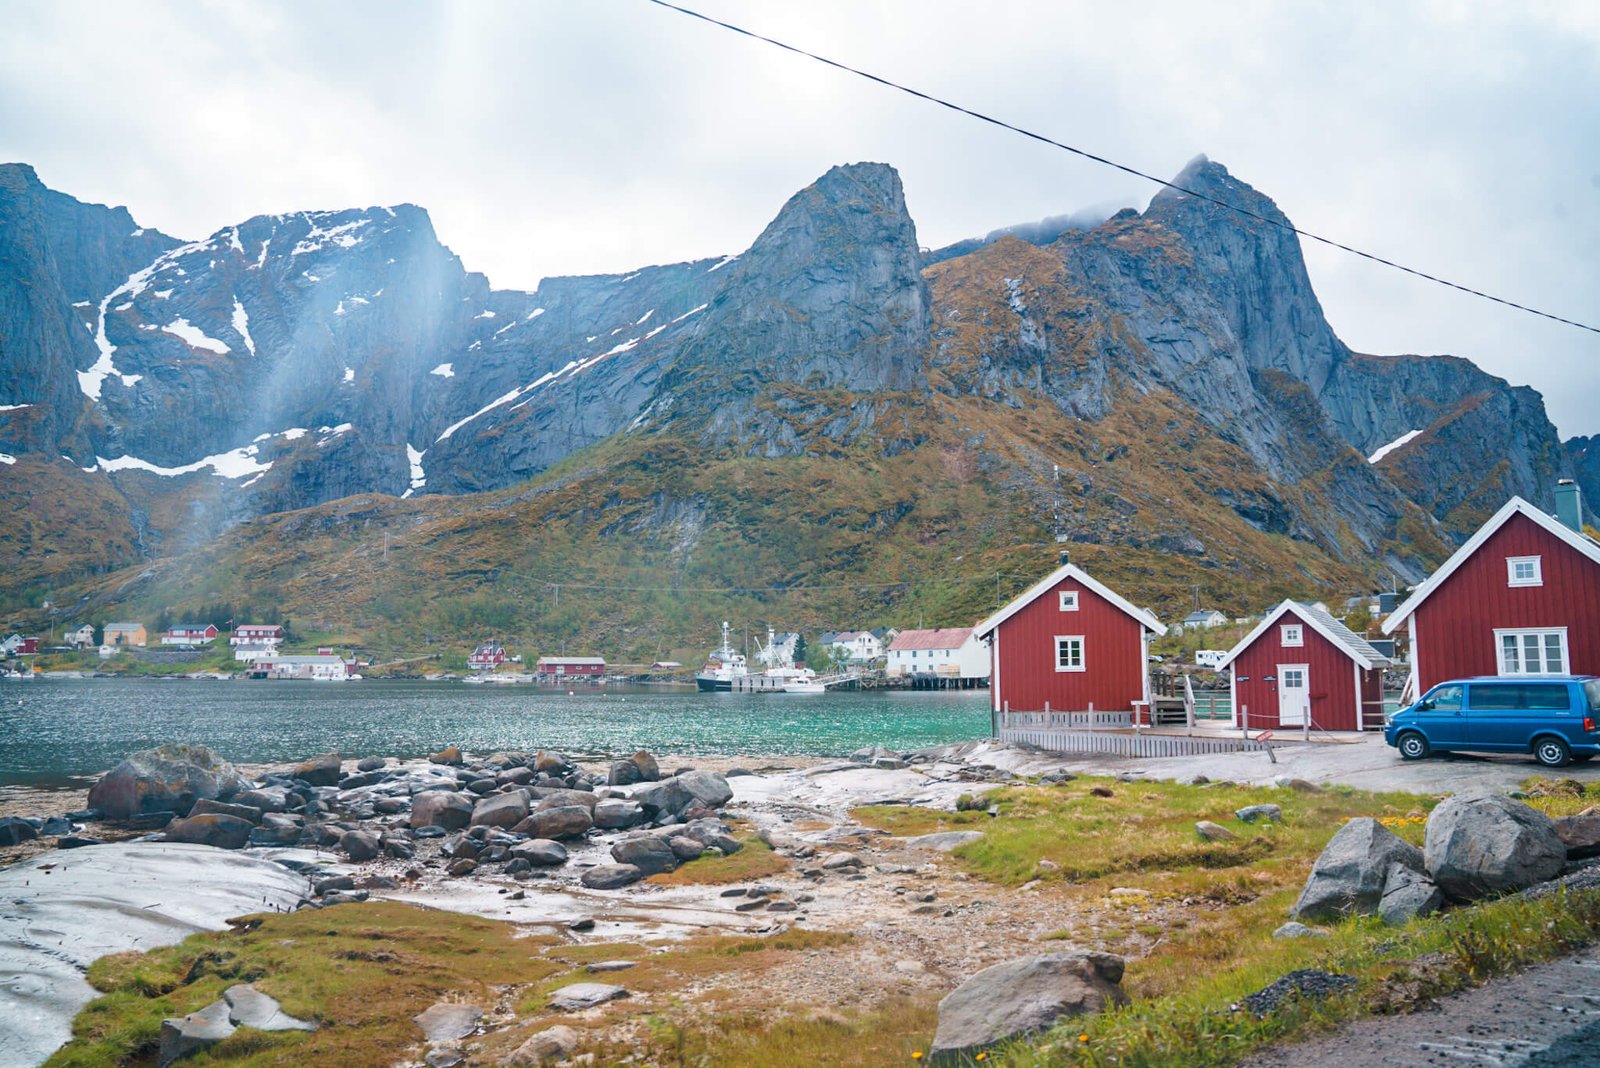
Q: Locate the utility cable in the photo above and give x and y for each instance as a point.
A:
(1282, 224)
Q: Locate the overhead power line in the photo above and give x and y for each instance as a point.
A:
(1235, 208)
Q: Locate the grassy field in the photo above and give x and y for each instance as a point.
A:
(1119, 863)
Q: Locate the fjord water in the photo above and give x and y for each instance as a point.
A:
(52, 732)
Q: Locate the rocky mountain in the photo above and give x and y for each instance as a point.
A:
(1174, 364)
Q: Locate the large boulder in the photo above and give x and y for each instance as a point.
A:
(169, 778)
(649, 853)
(212, 829)
(543, 852)
(1487, 843)
(14, 830)
(640, 767)
(501, 810)
(618, 813)
(563, 821)
(206, 806)
(1025, 996)
(1350, 875)
(710, 788)
(610, 876)
(547, 1047)
(667, 796)
(1407, 894)
(555, 796)
(319, 770)
(185, 1036)
(441, 808)
(1580, 834)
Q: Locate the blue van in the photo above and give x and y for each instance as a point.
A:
(1554, 717)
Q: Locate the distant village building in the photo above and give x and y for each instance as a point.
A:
(1204, 618)
(80, 637)
(1520, 597)
(17, 645)
(856, 646)
(126, 634)
(948, 652)
(1069, 644)
(1301, 667)
(269, 634)
(323, 668)
(487, 657)
(666, 665)
(781, 651)
(189, 634)
(249, 654)
(571, 666)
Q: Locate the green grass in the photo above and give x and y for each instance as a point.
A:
(755, 861)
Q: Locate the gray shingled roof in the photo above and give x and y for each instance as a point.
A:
(1342, 634)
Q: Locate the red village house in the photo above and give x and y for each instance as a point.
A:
(487, 657)
(1069, 644)
(1520, 597)
(257, 634)
(571, 666)
(1303, 668)
(189, 634)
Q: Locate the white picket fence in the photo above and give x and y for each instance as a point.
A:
(1036, 729)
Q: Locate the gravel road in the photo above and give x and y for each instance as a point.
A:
(1545, 1017)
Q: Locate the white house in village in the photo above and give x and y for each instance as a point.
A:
(80, 637)
(949, 652)
(319, 668)
(856, 646)
(1203, 618)
(780, 651)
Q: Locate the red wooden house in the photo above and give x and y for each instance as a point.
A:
(1520, 597)
(1069, 644)
(567, 666)
(487, 657)
(188, 634)
(1303, 668)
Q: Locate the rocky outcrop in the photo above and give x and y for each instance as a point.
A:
(1352, 873)
(170, 778)
(1023, 997)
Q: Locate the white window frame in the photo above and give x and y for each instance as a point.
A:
(1067, 600)
(1536, 579)
(1521, 633)
(1082, 660)
(1292, 635)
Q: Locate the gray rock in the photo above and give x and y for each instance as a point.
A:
(546, 1047)
(839, 861)
(561, 797)
(223, 832)
(168, 778)
(640, 767)
(541, 851)
(1407, 894)
(320, 770)
(332, 884)
(464, 866)
(710, 788)
(618, 813)
(372, 764)
(1025, 996)
(56, 826)
(360, 845)
(649, 853)
(563, 821)
(1213, 832)
(1252, 813)
(609, 877)
(1296, 929)
(942, 841)
(1350, 874)
(187, 1035)
(14, 830)
(578, 996)
(667, 796)
(249, 1007)
(1486, 843)
(266, 798)
(502, 810)
(77, 841)
(441, 808)
(685, 848)
(206, 806)
(447, 1021)
(609, 966)
(1580, 834)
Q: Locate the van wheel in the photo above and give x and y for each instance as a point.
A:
(1552, 752)
(1412, 746)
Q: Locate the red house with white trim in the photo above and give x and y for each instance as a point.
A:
(1303, 668)
(1069, 644)
(1520, 597)
(570, 666)
(487, 657)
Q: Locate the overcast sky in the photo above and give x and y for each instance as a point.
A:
(575, 136)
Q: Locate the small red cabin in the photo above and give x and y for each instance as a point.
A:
(29, 647)
(1303, 668)
(1520, 597)
(487, 657)
(1069, 644)
(567, 666)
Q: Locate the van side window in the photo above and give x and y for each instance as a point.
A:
(1447, 698)
(1592, 690)
(1498, 697)
(1545, 697)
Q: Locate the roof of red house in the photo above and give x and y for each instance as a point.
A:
(936, 638)
(1515, 506)
(1349, 642)
(1044, 585)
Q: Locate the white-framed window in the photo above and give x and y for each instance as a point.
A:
(1069, 600)
(1291, 634)
(1524, 571)
(1531, 652)
(1069, 652)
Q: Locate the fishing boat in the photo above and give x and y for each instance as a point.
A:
(723, 666)
(804, 686)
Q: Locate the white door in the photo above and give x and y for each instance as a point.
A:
(1294, 695)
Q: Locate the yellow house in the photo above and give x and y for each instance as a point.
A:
(126, 634)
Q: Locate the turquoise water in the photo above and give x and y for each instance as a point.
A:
(51, 732)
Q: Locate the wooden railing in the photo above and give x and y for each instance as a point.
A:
(1048, 720)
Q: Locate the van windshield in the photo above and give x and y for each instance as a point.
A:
(1591, 690)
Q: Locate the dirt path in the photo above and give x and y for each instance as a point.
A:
(1545, 1017)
